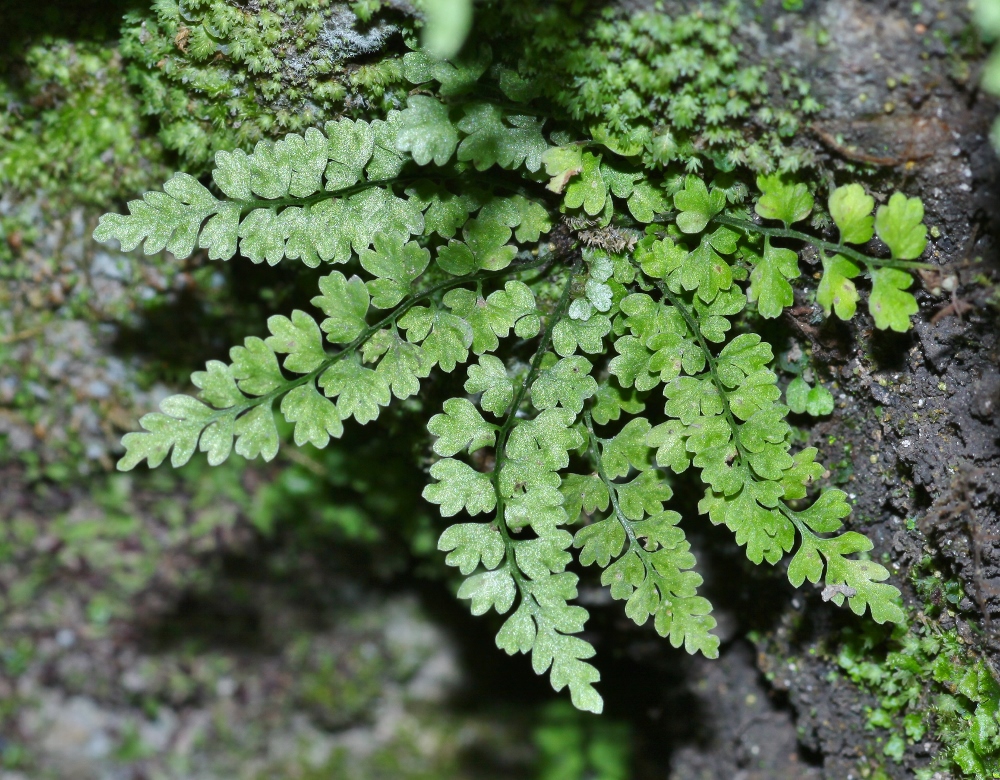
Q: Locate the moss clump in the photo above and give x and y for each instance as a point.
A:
(930, 684)
(219, 77)
(669, 87)
(71, 127)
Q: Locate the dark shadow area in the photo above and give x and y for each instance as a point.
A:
(889, 350)
(225, 617)
(22, 22)
(204, 320)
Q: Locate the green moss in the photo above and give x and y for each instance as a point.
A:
(668, 87)
(219, 77)
(338, 686)
(929, 684)
(72, 127)
(130, 523)
(573, 746)
(403, 757)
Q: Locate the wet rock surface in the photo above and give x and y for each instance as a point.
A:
(914, 435)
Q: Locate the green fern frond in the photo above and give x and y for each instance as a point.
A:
(624, 283)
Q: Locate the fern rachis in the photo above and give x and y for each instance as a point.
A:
(441, 217)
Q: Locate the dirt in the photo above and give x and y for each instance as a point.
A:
(915, 428)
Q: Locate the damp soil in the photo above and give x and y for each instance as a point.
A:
(915, 435)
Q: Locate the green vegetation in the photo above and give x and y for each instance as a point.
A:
(671, 88)
(572, 746)
(530, 258)
(73, 129)
(930, 684)
(220, 77)
(628, 300)
(800, 398)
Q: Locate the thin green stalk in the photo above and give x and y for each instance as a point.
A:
(510, 419)
(612, 491)
(829, 246)
(265, 203)
(367, 333)
(440, 174)
(713, 365)
(775, 232)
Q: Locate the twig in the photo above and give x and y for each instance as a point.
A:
(858, 156)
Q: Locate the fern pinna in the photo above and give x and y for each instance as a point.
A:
(466, 224)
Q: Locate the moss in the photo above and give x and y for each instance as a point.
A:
(151, 552)
(220, 77)
(338, 686)
(72, 128)
(573, 746)
(58, 376)
(403, 757)
(929, 684)
(667, 87)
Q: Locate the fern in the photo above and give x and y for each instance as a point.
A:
(445, 217)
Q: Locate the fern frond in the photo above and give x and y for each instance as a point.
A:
(448, 264)
(733, 429)
(237, 399)
(654, 575)
(319, 196)
(525, 491)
